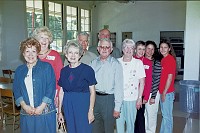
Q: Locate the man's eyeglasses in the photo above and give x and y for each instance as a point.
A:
(104, 47)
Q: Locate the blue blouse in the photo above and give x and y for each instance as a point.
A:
(77, 79)
(44, 85)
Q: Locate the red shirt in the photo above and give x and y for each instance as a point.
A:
(148, 80)
(56, 62)
(168, 64)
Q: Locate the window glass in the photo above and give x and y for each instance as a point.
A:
(71, 19)
(34, 13)
(55, 25)
(85, 20)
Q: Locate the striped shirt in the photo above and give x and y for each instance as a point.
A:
(155, 78)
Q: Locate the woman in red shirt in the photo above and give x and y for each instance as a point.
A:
(140, 120)
(166, 87)
(45, 37)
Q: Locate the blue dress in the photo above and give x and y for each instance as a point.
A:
(75, 83)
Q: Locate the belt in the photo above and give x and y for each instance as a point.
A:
(101, 94)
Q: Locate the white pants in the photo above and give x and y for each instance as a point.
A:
(151, 112)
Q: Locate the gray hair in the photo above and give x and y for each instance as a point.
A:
(44, 30)
(83, 33)
(100, 32)
(128, 41)
(75, 44)
(107, 40)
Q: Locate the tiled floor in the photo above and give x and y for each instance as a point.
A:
(183, 122)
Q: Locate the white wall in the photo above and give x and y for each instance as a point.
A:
(192, 41)
(1, 25)
(13, 28)
(145, 19)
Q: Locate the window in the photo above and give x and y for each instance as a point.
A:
(35, 17)
(63, 20)
(55, 25)
(85, 20)
(72, 23)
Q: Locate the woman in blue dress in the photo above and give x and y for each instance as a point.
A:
(34, 90)
(77, 93)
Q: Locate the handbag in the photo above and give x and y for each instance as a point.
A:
(61, 128)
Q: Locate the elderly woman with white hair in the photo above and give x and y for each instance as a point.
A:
(134, 76)
(77, 93)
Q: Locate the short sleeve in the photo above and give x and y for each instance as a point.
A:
(141, 70)
(171, 69)
(90, 76)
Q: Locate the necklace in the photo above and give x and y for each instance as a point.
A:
(30, 65)
(44, 53)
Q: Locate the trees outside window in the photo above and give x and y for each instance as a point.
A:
(34, 13)
(64, 21)
(55, 25)
(72, 22)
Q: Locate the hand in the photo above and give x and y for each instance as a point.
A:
(139, 103)
(163, 97)
(29, 109)
(144, 101)
(56, 101)
(151, 101)
(116, 114)
(90, 116)
(60, 118)
(39, 109)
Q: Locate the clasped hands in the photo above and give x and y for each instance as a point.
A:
(34, 111)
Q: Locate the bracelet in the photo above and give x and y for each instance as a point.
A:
(91, 109)
(140, 97)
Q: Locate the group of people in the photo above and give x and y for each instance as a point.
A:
(92, 92)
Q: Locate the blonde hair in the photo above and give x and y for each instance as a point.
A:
(45, 30)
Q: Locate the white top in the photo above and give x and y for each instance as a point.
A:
(29, 86)
(132, 72)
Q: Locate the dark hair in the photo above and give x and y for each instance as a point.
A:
(171, 52)
(28, 43)
(156, 55)
(139, 43)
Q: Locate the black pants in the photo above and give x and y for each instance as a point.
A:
(140, 120)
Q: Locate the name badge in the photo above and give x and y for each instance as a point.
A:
(146, 67)
(50, 57)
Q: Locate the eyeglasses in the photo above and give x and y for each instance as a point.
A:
(129, 47)
(84, 41)
(104, 47)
